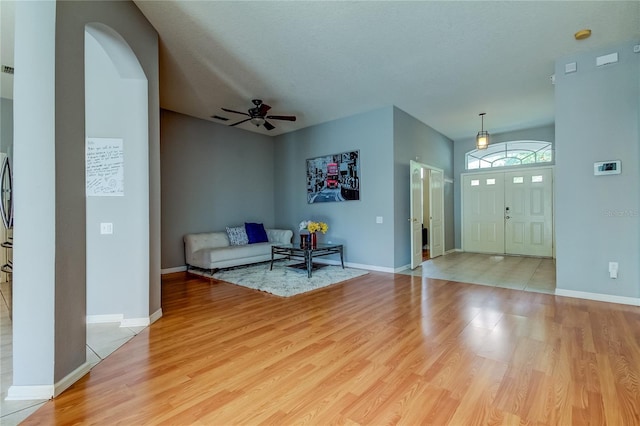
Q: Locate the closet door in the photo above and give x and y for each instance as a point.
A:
(483, 213)
(528, 212)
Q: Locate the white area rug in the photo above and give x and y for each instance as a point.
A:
(283, 281)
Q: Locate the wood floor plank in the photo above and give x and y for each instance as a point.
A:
(377, 349)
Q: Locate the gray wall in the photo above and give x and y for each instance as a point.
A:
(414, 140)
(462, 146)
(350, 222)
(116, 107)
(67, 291)
(213, 176)
(71, 18)
(597, 219)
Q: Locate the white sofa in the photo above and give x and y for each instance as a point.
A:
(212, 250)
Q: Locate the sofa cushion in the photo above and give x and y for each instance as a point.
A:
(256, 233)
(234, 252)
(237, 236)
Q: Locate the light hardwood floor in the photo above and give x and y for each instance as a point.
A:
(379, 349)
(102, 340)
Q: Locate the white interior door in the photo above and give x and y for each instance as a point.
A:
(528, 212)
(483, 213)
(415, 199)
(436, 213)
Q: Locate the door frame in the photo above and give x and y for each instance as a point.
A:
(412, 241)
(506, 170)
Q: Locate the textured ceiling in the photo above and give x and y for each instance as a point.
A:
(441, 62)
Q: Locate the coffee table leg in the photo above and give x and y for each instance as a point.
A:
(271, 267)
(341, 258)
(309, 259)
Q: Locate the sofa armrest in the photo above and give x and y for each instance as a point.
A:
(282, 236)
(195, 242)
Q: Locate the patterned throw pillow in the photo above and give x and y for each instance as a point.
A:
(237, 236)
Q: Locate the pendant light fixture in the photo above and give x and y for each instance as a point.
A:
(482, 140)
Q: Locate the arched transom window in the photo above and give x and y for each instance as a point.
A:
(513, 153)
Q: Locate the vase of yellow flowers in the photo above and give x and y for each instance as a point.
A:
(311, 229)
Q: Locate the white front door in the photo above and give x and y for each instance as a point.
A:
(415, 199)
(483, 213)
(436, 213)
(508, 212)
(528, 215)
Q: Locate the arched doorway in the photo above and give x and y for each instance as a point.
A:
(117, 180)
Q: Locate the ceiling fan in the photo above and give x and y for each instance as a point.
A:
(258, 115)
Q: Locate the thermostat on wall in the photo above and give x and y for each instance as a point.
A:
(606, 168)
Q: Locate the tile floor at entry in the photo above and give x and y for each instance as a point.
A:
(534, 274)
(102, 340)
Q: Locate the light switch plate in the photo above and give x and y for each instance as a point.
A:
(570, 67)
(106, 228)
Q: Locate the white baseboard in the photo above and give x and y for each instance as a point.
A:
(624, 300)
(354, 265)
(135, 322)
(28, 393)
(99, 319)
(155, 316)
(402, 268)
(40, 392)
(369, 267)
(71, 378)
(172, 270)
(124, 322)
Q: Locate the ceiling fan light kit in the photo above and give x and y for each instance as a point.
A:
(482, 139)
(257, 121)
(258, 115)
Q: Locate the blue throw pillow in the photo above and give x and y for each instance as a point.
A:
(256, 233)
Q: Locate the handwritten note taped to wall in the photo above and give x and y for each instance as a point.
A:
(105, 167)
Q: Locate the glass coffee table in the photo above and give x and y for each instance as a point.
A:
(306, 253)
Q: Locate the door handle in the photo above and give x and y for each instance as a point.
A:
(507, 217)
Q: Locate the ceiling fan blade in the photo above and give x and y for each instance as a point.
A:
(268, 125)
(263, 109)
(237, 112)
(282, 117)
(239, 122)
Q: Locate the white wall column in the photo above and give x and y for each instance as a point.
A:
(34, 197)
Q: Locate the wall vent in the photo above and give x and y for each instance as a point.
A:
(7, 69)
